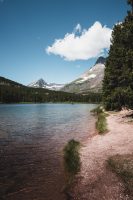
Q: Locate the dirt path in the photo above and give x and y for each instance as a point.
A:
(95, 181)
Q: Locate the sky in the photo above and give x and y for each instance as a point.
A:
(56, 40)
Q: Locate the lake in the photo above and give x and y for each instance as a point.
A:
(32, 137)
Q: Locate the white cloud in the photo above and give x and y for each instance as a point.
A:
(119, 23)
(89, 44)
(78, 28)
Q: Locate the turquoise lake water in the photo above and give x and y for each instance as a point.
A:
(32, 137)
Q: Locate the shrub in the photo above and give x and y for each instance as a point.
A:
(97, 110)
(101, 123)
(71, 157)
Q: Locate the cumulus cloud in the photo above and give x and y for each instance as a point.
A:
(90, 43)
(78, 28)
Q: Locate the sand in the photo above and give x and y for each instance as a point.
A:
(96, 181)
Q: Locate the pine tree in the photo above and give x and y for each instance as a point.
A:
(130, 2)
(118, 79)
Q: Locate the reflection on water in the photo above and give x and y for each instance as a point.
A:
(31, 142)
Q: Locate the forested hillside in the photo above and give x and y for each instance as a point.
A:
(12, 92)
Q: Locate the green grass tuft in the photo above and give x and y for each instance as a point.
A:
(122, 165)
(72, 164)
(71, 157)
(97, 110)
(101, 124)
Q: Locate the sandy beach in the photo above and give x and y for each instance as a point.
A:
(96, 181)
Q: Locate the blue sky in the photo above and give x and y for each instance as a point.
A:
(29, 27)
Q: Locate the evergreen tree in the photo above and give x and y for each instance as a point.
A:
(118, 79)
(130, 2)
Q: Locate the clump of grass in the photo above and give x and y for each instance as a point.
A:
(97, 110)
(72, 164)
(71, 157)
(101, 124)
(122, 165)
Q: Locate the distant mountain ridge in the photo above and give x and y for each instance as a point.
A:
(7, 82)
(90, 81)
(43, 84)
(13, 92)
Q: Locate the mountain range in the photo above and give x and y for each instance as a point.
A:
(13, 92)
(90, 81)
(43, 84)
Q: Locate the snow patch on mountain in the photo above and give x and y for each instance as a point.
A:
(91, 80)
(85, 78)
(43, 84)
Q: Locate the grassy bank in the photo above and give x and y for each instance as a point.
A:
(122, 165)
(71, 163)
(101, 123)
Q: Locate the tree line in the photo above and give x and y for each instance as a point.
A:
(118, 78)
(12, 92)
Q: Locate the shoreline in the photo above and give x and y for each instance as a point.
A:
(96, 180)
(65, 102)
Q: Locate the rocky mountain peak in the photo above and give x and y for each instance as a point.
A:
(41, 83)
(100, 60)
(89, 81)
